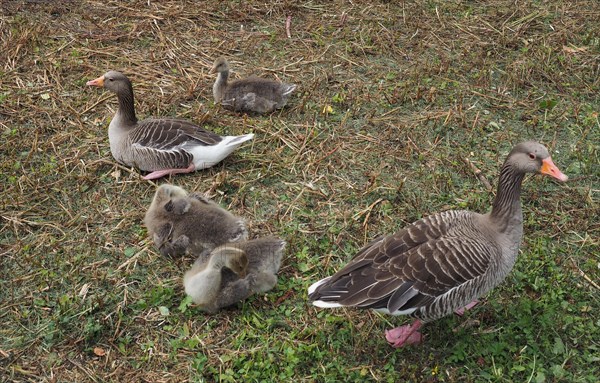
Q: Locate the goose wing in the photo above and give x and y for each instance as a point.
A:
(410, 269)
(262, 87)
(166, 143)
(171, 133)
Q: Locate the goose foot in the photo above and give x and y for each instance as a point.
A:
(165, 172)
(405, 335)
(461, 311)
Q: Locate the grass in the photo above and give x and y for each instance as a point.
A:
(393, 96)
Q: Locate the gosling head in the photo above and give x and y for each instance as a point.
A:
(234, 259)
(221, 65)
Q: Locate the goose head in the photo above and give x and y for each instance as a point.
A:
(172, 191)
(112, 80)
(235, 259)
(533, 157)
(221, 65)
(166, 193)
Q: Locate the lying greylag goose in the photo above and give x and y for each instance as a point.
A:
(161, 146)
(441, 263)
(213, 291)
(179, 222)
(252, 94)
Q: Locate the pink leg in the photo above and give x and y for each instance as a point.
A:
(405, 335)
(161, 173)
(461, 311)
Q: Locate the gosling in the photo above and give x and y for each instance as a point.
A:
(181, 223)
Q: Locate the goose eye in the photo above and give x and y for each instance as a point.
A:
(532, 156)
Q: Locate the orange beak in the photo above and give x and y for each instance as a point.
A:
(550, 169)
(99, 82)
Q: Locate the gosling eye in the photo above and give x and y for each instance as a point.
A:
(532, 156)
(111, 79)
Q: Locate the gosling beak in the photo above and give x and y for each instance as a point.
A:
(99, 82)
(550, 169)
(213, 70)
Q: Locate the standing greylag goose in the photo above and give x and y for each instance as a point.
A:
(161, 146)
(441, 263)
(179, 222)
(252, 94)
(214, 287)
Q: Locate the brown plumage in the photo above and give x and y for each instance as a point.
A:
(180, 223)
(216, 280)
(440, 263)
(252, 94)
(161, 146)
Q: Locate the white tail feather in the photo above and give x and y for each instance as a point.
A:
(326, 305)
(314, 286)
(206, 156)
(236, 140)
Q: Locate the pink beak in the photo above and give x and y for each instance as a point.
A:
(99, 82)
(552, 170)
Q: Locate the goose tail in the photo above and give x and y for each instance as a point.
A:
(236, 140)
(209, 155)
(313, 295)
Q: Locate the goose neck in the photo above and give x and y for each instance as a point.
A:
(220, 85)
(223, 77)
(217, 261)
(507, 204)
(126, 111)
